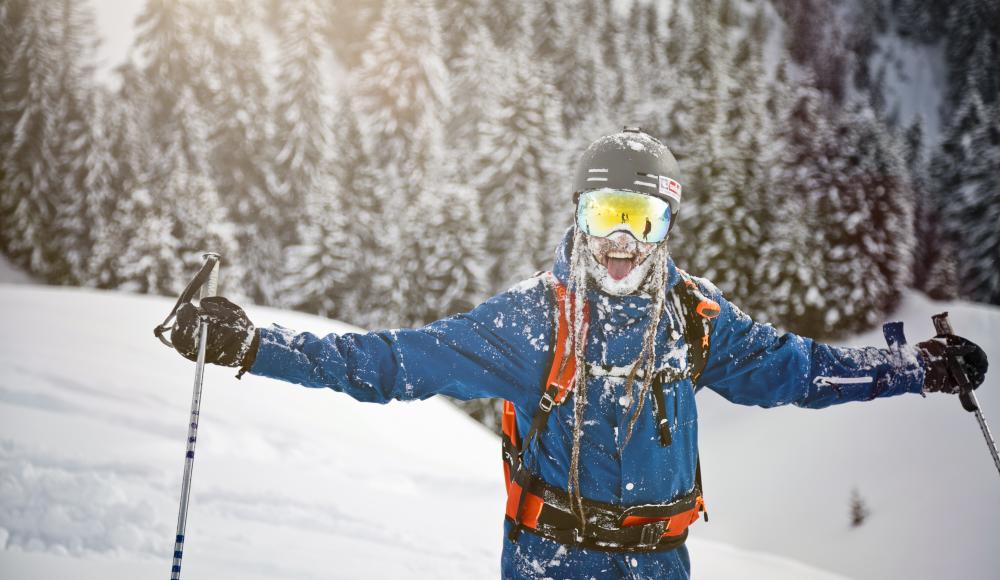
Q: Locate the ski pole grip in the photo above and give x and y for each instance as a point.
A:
(965, 396)
(941, 324)
(211, 287)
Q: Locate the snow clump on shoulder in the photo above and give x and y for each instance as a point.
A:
(525, 286)
(707, 285)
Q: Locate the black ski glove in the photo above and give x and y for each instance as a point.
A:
(232, 338)
(945, 357)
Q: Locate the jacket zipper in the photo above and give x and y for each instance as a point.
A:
(830, 381)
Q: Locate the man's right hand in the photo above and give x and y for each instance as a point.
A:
(232, 338)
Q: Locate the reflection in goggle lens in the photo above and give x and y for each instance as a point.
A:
(603, 211)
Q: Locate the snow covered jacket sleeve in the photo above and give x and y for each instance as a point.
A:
(752, 364)
(488, 352)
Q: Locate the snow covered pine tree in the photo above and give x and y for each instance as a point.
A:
(604, 489)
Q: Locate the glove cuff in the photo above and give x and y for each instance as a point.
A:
(925, 362)
(251, 354)
(935, 375)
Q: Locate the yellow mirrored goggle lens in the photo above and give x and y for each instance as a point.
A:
(603, 211)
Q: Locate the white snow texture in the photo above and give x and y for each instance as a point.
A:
(295, 483)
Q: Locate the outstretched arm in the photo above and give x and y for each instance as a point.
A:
(753, 364)
(492, 351)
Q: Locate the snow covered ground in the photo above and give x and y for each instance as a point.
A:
(780, 479)
(288, 483)
(10, 274)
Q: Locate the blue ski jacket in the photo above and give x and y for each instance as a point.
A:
(502, 348)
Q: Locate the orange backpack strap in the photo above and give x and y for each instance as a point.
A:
(558, 384)
(697, 312)
(563, 368)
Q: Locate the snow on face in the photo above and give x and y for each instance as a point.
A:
(619, 244)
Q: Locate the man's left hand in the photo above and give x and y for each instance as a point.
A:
(947, 356)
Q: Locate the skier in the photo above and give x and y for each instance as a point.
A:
(599, 362)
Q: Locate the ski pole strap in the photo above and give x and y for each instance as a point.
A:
(192, 288)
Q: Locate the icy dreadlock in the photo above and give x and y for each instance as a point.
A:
(630, 160)
(643, 367)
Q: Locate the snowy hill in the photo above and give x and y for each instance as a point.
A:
(781, 479)
(11, 274)
(289, 482)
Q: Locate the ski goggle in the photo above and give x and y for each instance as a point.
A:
(601, 212)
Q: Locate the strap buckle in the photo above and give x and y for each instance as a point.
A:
(652, 532)
(548, 399)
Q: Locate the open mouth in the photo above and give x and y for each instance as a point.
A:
(619, 263)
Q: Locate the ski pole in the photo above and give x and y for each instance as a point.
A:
(209, 289)
(967, 396)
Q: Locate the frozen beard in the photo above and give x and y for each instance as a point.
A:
(619, 263)
(634, 266)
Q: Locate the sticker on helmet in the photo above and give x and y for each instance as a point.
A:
(670, 188)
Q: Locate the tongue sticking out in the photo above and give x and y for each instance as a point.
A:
(618, 268)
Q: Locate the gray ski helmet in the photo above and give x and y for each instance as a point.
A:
(631, 160)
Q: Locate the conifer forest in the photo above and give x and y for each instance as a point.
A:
(392, 162)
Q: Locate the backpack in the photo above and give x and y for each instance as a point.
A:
(533, 504)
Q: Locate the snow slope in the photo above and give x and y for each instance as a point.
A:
(781, 479)
(11, 274)
(288, 483)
